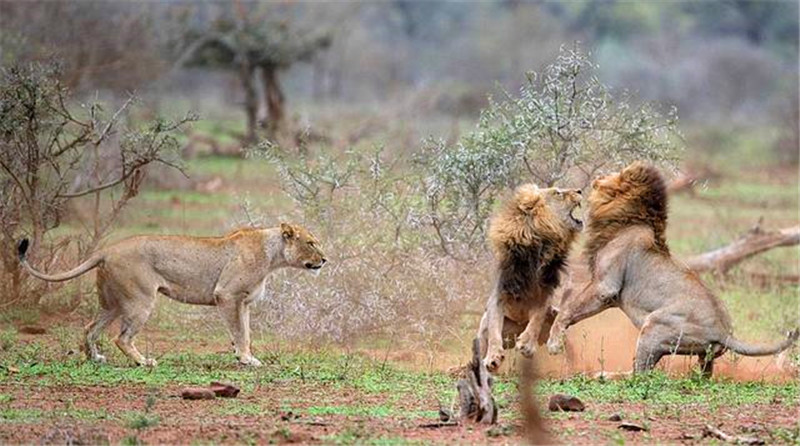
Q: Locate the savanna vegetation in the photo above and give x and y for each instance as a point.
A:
(393, 131)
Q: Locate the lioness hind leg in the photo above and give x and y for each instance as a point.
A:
(93, 330)
(133, 319)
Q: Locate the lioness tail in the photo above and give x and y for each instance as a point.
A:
(90, 263)
(746, 349)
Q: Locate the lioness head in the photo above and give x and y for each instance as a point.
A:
(301, 248)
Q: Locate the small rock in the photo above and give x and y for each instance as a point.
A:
(224, 390)
(566, 403)
(289, 416)
(32, 329)
(632, 427)
(197, 393)
(615, 417)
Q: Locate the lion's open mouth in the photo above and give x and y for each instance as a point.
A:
(575, 216)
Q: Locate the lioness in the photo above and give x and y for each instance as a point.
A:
(632, 269)
(530, 236)
(229, 272)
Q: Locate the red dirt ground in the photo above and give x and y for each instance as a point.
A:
(199, 421)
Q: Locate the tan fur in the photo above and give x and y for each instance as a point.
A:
(632, 269)
(530, 236)
(228, 272)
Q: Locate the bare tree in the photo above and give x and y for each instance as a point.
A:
(254, 48)
(53, 153)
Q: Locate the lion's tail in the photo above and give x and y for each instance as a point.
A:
(746, 349)
(89, 264)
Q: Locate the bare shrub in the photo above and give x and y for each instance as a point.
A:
(55, 154)
(381, 280)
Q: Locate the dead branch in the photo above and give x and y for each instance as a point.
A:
(755, 241)
(475, 391)
(711, 431)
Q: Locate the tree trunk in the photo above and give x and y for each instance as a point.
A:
(755, 241)
(250, 100)
(273, 96)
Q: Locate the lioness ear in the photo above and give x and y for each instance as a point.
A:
(287, 231)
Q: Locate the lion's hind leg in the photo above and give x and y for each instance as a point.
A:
(655, 339)
(492, 331)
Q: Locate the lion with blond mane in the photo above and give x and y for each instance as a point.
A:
(632, 269)
(530, 236)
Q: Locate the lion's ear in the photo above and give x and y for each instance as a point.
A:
(529, 198)
(287, 231)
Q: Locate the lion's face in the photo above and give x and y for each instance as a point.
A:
(301, 248)
(565, 204)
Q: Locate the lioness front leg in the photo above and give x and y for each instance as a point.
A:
(237, 317)
(491, 334)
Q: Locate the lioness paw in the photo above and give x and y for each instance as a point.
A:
(493, 361)
(250, 361)
(149, 362)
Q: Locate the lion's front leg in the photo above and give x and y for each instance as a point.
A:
(592, 300)
(491, 334)
(526, 341)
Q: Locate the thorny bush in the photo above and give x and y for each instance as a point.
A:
(562, 128)
(381, 279)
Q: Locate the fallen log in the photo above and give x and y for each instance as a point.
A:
(754, 241)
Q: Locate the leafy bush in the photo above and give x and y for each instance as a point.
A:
(562, 128)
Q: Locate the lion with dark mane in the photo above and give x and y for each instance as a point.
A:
(632, 269)
(530, 236)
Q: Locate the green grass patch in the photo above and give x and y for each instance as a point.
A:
(658, 388)
(20, 415)
(379, 411)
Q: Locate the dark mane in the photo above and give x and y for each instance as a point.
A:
(530, 269)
